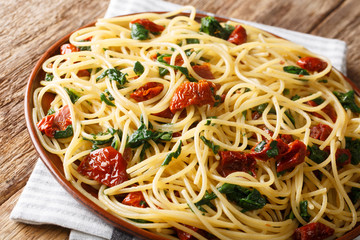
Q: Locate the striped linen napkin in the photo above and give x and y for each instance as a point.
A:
(44, 201)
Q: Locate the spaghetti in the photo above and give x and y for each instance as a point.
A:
(208, 129)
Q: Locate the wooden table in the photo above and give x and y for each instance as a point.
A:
(29, 27)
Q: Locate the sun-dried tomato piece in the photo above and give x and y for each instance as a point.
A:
(232, 161)
(328, 110)
(149, 25)
(203, 71)
(313, 231)
(265, 149)
(320, 131)
(193, 93)
(238, 35)
(55, 122)
(312, 64)
(105, 165)
(83, 73)
(147, 91)
(293, 157)
(135, 199)
(179, 61)
(68, 48)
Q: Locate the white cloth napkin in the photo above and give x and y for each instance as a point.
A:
(44, 201)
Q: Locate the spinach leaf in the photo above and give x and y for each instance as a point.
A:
(260, 146)
(208, 121)
(295, 70)
(110, 97)
(347, 100)
(210, 144)
(354, 194)
(354, 147)
(165, 136)
(229, 29)
(290, 116)
(295, 97)
(316, 154)
(318, 100)
(163, 71)
(183, 70)
(112, 140)
(140, 220)
(323, 81)
(138, 68)
(139, 32)
(68, 132)
(74, 95)
(146, 145)
(114, 75)
(243, 197)
(273, 150)
(286, 91)
(104, 99)
(206, 200)
(49, 77)
(192, 41)
(212, 27)
(303, 211)
(171, 155)
(84, 48)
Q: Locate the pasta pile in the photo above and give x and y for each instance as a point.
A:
(209, 168)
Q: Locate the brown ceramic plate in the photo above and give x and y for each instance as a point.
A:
(54, 164)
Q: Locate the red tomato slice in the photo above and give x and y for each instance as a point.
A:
(312, 64)
(55, 122)
(135, 199)
(313, 231)
(105, 165)
(203, 71)
(238, 36)
(147, 91)
(232, 161)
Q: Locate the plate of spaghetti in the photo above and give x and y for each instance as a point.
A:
(185, 126)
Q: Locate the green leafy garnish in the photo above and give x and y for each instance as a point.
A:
(74, 95)
(316, 154)
(290, 116)
(295, 97)
(140, 220)
(286, 91)
(210, 144)
(50, 111)
(139, 32)
(114, 75)
(273, 150)
(68, 132)
(183, 70)
(295, 70)
(104, 99)
(323, 81)
(243, 197)
(138, 68)
(212, 27)
(318, 100)
(171, 155)
(49, 77)
(163, 71)
(260, 146)
(192, 41)
(208, 121)
(354, 147)
(146, 145)
(206, 200)
(347, 100)
(303, 211)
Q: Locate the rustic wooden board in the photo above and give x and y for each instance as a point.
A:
(29, 27)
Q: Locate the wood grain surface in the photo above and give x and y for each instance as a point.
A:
(29, 27)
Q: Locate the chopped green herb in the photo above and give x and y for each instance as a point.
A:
(49, 77)
(104, 99)
(183, 70)
(192, 41)
(260, 146)
(273, 150)
(291, 215)
(296, 97)
(171, 155)
(210, 144)
(261, 108)
(347, 100)
(243, 197)
(290, 116)
(318, 100)
(138, 68)
(303, 211)
(140, 220)
(323, 81)
(208, 121)
(84, 48)
(316, 154)
(139, 32)
(74, 95)
(295, 70)
(354, 147)
(163, 71)
(212, 27)
(114, 75)
(286, 91)
(68, 132)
